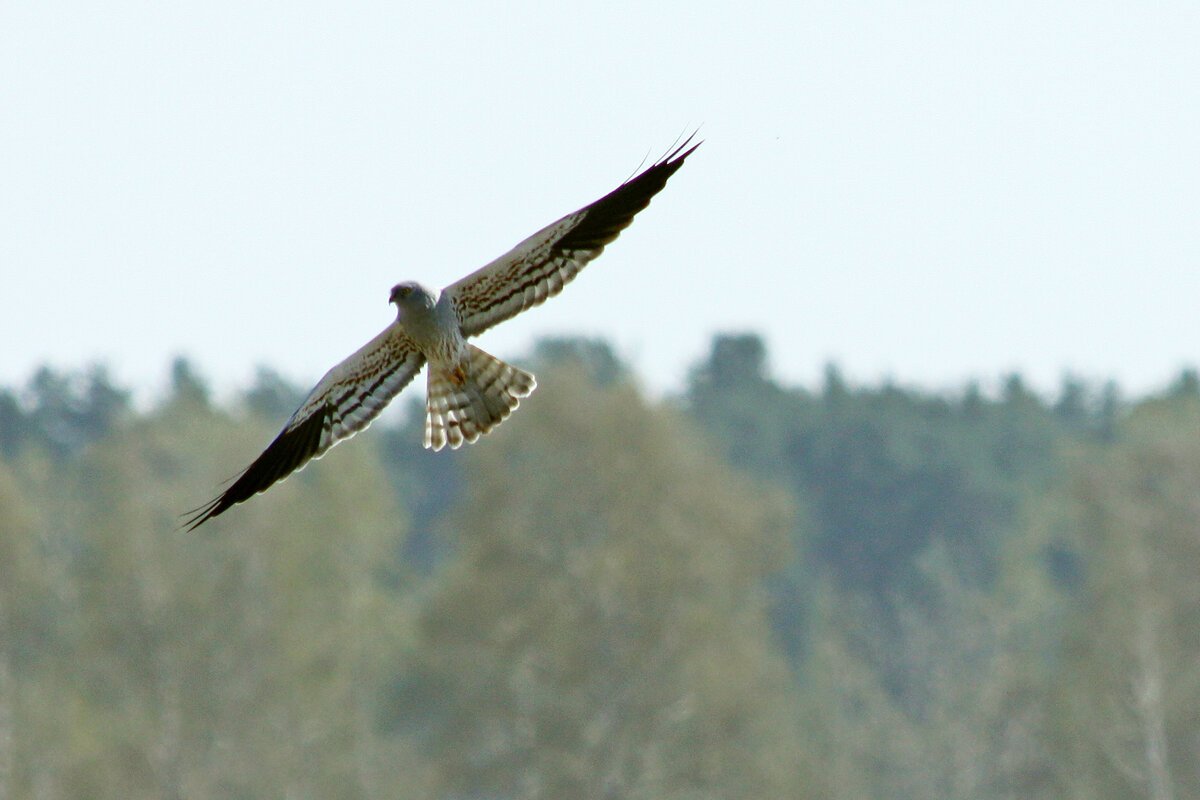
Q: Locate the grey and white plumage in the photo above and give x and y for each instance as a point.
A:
(469, 391)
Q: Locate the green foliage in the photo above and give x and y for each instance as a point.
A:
(60, 412)
(971, 720)
(885, 473)
(593, 356)
(245, 661)
(1130, 712)
(602, 633)
(272, 397)
(843, 593)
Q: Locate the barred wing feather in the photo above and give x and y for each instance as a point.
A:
(542, 264)
(343, 403)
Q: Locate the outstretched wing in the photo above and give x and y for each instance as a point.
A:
(541, 265)
(343, 403)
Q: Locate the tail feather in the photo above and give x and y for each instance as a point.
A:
(459, 410)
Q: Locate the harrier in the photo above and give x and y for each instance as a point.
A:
(469, 391)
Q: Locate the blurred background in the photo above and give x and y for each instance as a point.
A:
(865, 464)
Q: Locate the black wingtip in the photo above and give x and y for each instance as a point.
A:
(290, 451)
(682, 151)
(667, 165)
(614, 212)
(198, 516)
(194, 518)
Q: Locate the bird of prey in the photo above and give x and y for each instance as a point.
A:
(469, 391)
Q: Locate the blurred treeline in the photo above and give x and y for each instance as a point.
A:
(748, 591)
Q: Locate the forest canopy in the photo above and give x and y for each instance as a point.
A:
(747, 590)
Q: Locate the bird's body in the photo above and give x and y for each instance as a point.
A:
(469, 391)
(428, 317)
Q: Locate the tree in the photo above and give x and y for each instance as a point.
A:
(883, 474)
(67, 411)
(971, 721)
(25, 599)
(273, 397)
(242, 661)
(733, 395)
(602, 633)
(187, 386)
(13, 425)
(1129, 700)
(594, 356)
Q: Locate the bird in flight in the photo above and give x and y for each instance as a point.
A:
(469, 391)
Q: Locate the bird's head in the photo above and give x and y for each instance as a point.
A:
(411, 295)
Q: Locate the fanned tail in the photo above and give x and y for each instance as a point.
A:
(462, 407)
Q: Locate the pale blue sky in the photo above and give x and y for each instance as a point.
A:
(928, 191)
